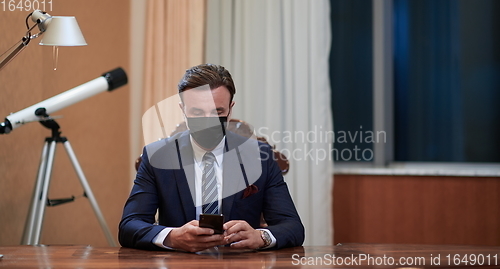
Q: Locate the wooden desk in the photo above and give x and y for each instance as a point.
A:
(359, 255)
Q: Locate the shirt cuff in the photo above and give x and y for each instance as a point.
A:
(273, 239)
(160, 238)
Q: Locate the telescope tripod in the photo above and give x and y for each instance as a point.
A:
(40, 200)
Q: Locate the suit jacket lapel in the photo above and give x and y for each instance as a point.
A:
(233, 180)
(185, 176)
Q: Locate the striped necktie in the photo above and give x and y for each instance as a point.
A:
(209, 188)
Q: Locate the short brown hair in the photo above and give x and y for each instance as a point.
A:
(213, 75)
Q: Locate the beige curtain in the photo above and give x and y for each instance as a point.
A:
(174, 41)
(277, 52)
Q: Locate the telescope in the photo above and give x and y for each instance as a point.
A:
(38, 112)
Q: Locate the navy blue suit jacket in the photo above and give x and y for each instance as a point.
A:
(165, 181)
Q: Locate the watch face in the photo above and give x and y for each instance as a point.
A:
(266, 238)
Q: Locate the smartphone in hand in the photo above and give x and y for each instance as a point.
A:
(212, 221)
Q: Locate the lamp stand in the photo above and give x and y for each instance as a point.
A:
(40, 200)
(14, 52)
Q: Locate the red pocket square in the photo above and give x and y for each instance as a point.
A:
(250, 190)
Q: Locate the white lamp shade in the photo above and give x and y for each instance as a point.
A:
(63, 31)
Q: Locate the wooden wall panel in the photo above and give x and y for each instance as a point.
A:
(97, 127)
(416, 209)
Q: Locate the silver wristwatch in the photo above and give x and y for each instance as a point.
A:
(266, 238)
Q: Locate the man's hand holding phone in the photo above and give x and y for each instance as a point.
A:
(191, 237)
(237, 233)
(241, 235)
(210, 231)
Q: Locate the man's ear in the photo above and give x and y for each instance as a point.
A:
(230, 110)
(182, 106)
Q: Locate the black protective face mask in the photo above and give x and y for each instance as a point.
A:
(207, 131)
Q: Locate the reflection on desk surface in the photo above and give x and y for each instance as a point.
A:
(342, 255)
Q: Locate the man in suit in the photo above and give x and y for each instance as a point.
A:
(208, 169)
